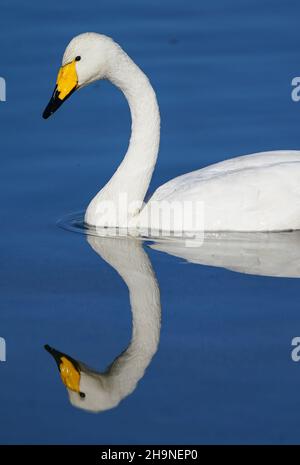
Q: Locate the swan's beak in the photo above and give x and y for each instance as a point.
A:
(66, 84)
(69, 369)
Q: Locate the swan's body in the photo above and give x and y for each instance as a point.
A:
(258, 192)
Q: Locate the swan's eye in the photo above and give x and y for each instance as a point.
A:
(78, 58)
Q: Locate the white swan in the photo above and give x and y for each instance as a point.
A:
(258, 192)
(96, 391)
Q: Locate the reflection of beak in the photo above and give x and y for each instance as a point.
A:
(69, 369)
(66, 84)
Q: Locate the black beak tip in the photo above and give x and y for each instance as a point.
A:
(56, 102)
(46, 114)
(55, 353)
(53, 104)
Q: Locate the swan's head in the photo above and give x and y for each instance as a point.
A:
(87, 58)
(87, 389)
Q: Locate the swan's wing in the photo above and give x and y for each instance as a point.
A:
(259, 192)
(254, 161)
(267, 254)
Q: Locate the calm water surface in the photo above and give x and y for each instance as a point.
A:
(218, 369)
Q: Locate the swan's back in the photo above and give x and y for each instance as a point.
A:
(257, 192)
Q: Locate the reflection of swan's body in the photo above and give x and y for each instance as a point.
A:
(258, 192)
(102, 391)
(268, 254)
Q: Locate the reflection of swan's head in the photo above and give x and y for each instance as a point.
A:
(87, 58)
(87, 389)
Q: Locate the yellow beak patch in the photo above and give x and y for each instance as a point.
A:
(67, 80)
(69, 375)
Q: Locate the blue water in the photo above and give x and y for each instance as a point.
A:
(223, 371)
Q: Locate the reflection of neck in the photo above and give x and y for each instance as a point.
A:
(131, 262)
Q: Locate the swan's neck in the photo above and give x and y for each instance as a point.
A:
(131, 180)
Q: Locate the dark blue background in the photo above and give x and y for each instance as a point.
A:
(222, 71)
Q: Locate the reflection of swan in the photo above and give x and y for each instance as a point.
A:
(258, 192)
(260, 254)
(94, 391)
(268, 254)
